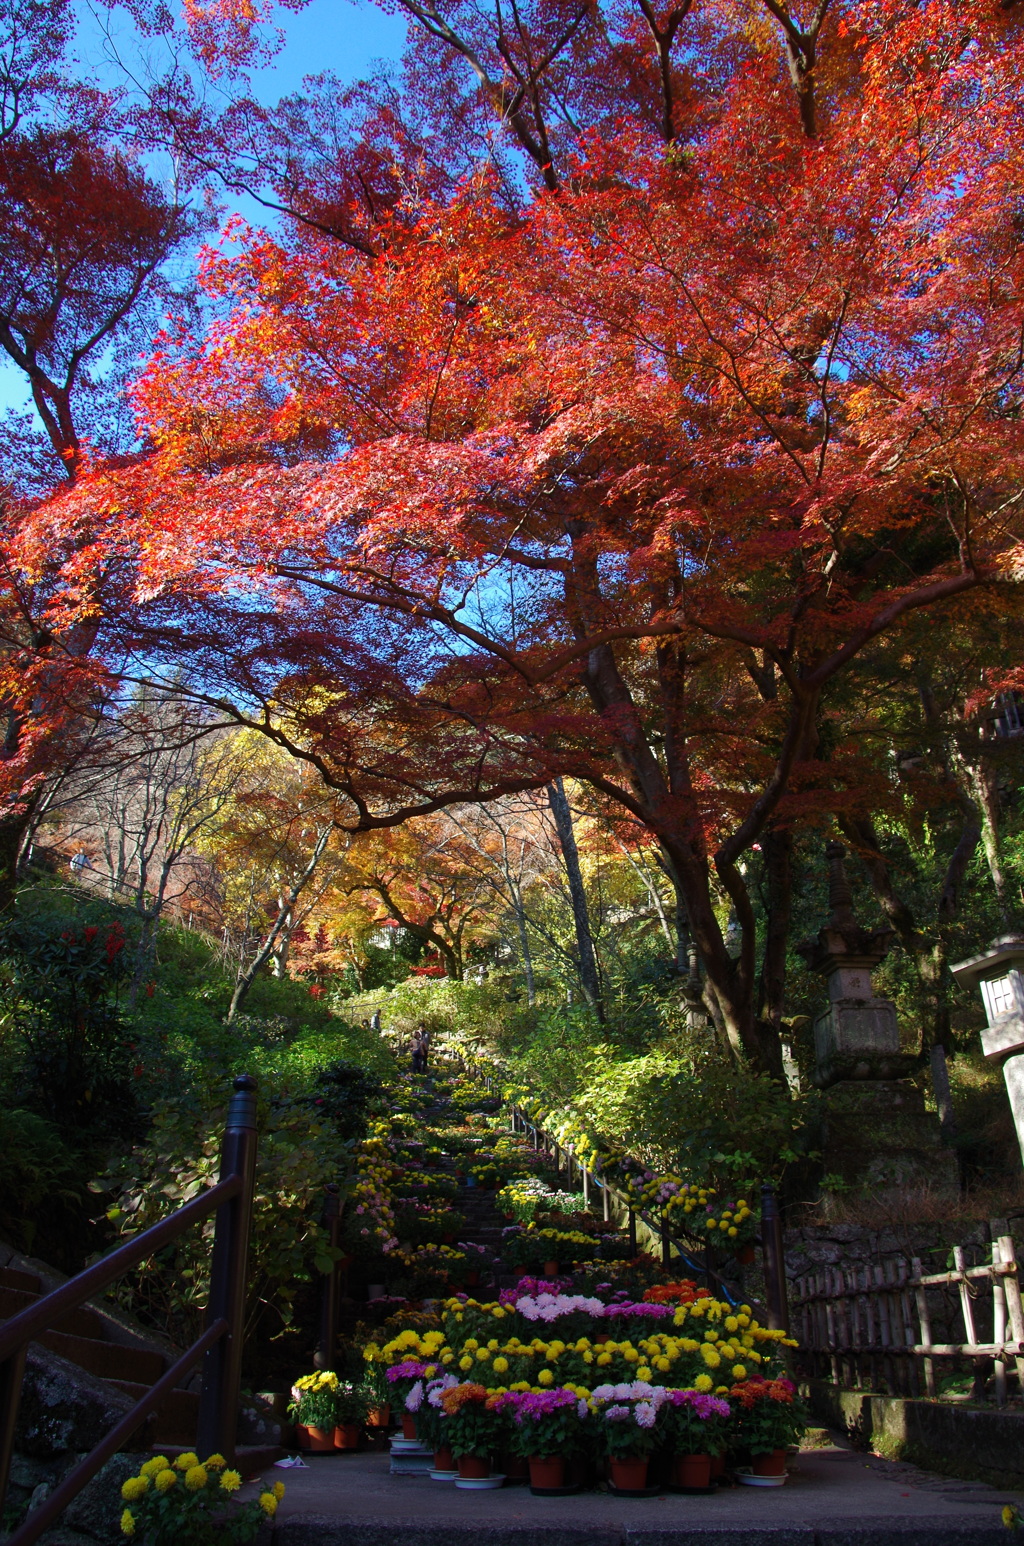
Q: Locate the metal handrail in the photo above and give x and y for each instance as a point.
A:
(220, 1345)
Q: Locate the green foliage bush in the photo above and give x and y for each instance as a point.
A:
(68, 1052)
(296, 1159)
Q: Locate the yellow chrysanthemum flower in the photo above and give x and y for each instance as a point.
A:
(186, 1462)
(703, 1382)
(739, 1371)
(545, 1377)
(151, 1467)
(500, 1365)
(215, 1463)
(196, 1478)
(134, 1488)
(127, 1522)
(268, 1503)
(230, 1481)
(465, 1363)
(165, 1480)
(278, 1490)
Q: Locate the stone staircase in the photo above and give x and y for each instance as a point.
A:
(128, 1362)
(84, 1338)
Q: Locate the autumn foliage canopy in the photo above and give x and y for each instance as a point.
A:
(616, 386)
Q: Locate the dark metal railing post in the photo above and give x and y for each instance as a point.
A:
(774, 1260)
(12, 1374)
(222, 1366)
(632, 1234)
(328, 1348)
(666, 1242)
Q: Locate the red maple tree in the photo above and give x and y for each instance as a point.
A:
(611, 457)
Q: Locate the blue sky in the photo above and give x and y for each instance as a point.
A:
(344, 36)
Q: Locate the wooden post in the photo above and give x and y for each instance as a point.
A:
(924, 1319)
(884, 1333)
(998, 1325)
(222, 1364)
(1014, 1309)
(327, 1352)
(774, 1255)
(907, 1321)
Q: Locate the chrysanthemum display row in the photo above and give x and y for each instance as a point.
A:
(594, 1382)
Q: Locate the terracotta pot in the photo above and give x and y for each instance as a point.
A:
(745, 1255)
(444, 1460)
(472, 1277)
(547, 1471)
(474, 1467)
(771, 1463)
(551, 1269)
(408, 1425)
(515, 1468)
(691, 1471)
(379, 1416)
(316, 1440)
(448, 1239)
(717, 1466)
(602, 1338)
(347, 1435)
(629, 1472)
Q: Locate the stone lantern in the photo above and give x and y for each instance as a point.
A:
(858, 1036)
(876, 1132)
(999, 973)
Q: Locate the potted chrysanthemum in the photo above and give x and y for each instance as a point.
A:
(627, 1424)
(768, 1415)
(314, 1410)
(548, 1429)
(692, 1422)
(476, 1427)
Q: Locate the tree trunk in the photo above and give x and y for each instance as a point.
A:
(284, 913)
(587, 959)
(524, 950)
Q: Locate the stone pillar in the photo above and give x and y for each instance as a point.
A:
(999, 973)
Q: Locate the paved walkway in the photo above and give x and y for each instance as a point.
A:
(834, 1497)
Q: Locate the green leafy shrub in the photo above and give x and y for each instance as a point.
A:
(69, 1052)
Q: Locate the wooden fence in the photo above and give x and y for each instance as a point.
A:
(887, 1326)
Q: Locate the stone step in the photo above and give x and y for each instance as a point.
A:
(79, 1323)
(14, 1277)
(174, 1423)
(106, 1359)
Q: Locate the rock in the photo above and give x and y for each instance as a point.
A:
(64, 1407)
(96, 1512)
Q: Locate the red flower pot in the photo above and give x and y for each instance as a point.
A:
(547, 1471)
(745, 1255)
(691, 1471)
(408, 1425)
(551, 1269)
(316, 1440)
(472, 1277)
(772, 1463)
(444, 1460)
(629, 1473)
(474, 1467)
(379, 1416)
(347, 1436)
